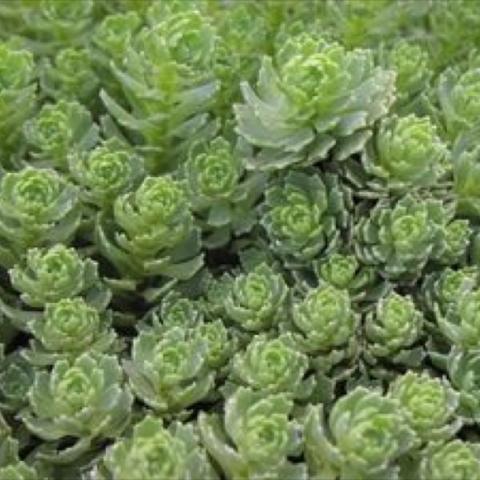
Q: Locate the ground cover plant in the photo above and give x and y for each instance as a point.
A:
(239, 240)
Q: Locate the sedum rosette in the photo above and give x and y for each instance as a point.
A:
(256, 300)
(166, 74)
(464, 372)
(345, 272)
(49, 275)
(412, 65)
(273, 366)
(176, 310)
(69, 328)
(37, 207)
(154, 451)
(393, 328)
(17, 96)
(466, 177)
(84, 399)
(400, 239)
(405, 153)
(152, 233)
(220, 193)
(56, 130)
(49, 25)
(220, 343)
(429, 406)
(365, 434)
(106, 172)
(302, 217)
(455, 460)
(16, 378)
(458, 99)
(257, 438)
(313, 98)
(461, 323)
(70, 76)
(325, 320)
(168, 370)
(440, 290)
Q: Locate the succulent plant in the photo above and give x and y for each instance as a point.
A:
(393, 328)
(273, 366)
(325, 320)
(365, 434)
(401, 238)
(153, 232)
(168, 370)
(255, 300)
(302, 216)
(106, 172)
(84, 399)
(454, 459)
(428, 404)
(406, 153)
(57, 129)
(154, 450)
(38, 208)
(262, 433)
(314, 97)
(49, 275)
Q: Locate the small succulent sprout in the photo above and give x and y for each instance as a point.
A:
(442, 289)
(152, 232)
(325, 319)
(273, 366)
(176, 310)
(456, 459)
(154, 452)
(256, 300)
(406, 153)
(393, 328)
(49, 275)
(114, 33)
(213, 173)
(464, 373)
(302, 216)
(38, 207)
(458, 95)
(366, 433)
(190, 36)
(343, 271)
(71, 76)
(169, 371)
(314, 98)
(429, 405)
(263, 435)
(400, 239)
(84, 398)
(220, 193)
(461, 323)
(220, 342)
(11, 467)
(454, 243)
(107, 171)
(466, 180)
(16, 378)
(57, 129)
(412, 65)
(17, 94)
(69, 328)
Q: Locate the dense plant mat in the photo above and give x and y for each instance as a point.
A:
(239, 240)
